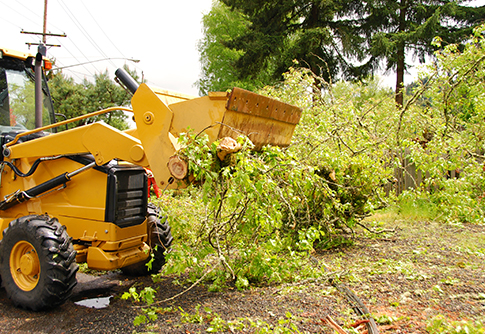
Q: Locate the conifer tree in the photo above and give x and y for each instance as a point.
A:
(347, 39)
(390, 30)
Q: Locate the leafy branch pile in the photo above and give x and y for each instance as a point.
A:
(257, 217)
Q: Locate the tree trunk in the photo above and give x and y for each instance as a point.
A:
(317, 84)
(401, 56)
(400, 75)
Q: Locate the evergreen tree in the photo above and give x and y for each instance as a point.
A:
(391, 29)
(75, 99)
(286, 30)
(221, 26)
(336, 39)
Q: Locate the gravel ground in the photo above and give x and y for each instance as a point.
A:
(405, 278)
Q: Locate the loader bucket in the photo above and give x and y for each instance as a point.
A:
(161, 118)
(264, 120)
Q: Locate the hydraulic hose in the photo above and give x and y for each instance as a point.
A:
(32, 169)
(22, 196)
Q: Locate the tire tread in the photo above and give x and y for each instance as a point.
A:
(56, 255)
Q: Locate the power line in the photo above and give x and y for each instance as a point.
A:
(94, 61)
(96, 21)
(27, 8)
(79, 54)
(81, 76)
(77, 60)
(81, 28)
(75, 74)
(74, 20)
(80, 51)
(44, 35)
(43, 44)
(19, 13)
(14, 24)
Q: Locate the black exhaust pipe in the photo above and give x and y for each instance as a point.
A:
(127, 80)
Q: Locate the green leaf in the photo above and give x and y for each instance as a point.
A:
(139, 320)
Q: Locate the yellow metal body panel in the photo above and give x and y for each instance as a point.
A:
(104, 142)
(101, 260)
(16, 54)
(153, 120)
(169, 97)
(80, 206)
(59, 124)
(76, 200)
(158, 125)
(103, 234)
(200, 114)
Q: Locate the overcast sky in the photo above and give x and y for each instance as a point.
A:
(162, 34)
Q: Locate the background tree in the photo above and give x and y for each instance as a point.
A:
(250, 46)
(342, 39)
(392, 29)
(283, 31)
(75, 99)
(221, 25)
(68, 96)
(105, 93)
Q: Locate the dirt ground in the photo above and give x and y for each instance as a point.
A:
(405, 278)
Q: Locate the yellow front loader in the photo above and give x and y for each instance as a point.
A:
(81, 195)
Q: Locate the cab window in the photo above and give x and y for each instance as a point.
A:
(17, 100)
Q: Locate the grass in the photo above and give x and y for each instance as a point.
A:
(423, 270)
(418, 275)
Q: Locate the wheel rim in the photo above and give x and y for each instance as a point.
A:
(24, 265)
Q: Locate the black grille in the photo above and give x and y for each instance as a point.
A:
(127, 198)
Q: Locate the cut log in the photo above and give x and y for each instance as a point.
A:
(177, 167)
(227, 146)
(330, 322)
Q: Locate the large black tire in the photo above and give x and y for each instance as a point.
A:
(37, 262)
(160, 240)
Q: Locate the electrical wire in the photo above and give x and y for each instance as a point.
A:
(90, 39)
(77, 60)
(77, 73)
(14, 24)
(37, 15)
(19, 13)
(32, 38)
(19, 8)
(83, 31)
(109, 39)
(76, 22)
(30, 10)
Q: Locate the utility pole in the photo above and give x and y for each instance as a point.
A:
(41, 52)
(44, 33)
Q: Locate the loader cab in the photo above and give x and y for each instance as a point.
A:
(17, 93)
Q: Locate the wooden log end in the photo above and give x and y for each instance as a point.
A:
(177, 167)
(226, 146)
